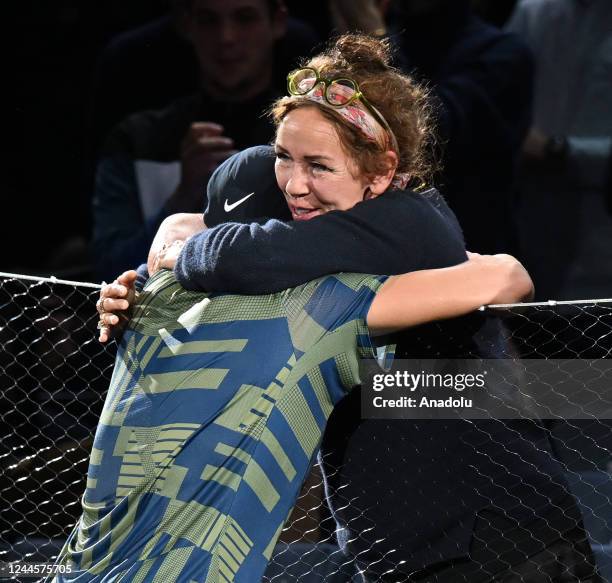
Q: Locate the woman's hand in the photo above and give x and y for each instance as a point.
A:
(114, 305)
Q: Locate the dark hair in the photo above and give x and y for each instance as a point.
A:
(405, 105)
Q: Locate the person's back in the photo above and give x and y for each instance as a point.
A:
(214, 414)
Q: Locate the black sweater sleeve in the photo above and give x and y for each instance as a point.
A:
(395, 233)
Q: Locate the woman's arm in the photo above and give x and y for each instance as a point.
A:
(437, 294)
(394, 233)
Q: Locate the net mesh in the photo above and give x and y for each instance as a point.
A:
(54, 374)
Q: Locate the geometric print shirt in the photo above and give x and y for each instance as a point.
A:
(215, 411)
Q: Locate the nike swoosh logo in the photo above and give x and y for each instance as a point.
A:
(230, 207)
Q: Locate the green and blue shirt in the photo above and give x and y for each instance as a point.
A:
(215, 411)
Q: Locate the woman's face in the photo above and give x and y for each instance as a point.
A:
(312, 169)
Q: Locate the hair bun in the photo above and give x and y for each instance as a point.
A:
(363, 52)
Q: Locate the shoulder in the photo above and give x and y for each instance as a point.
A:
(333, 307)
(419, 222)
(418, 210)
(358, 282)
(157, 301)
(153, 134)
(323, 299)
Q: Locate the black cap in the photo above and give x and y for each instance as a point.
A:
(244, 189)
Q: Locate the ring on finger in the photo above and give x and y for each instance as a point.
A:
(101, 324)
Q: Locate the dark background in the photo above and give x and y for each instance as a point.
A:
(52, 50)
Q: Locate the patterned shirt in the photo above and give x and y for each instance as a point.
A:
(215, 411)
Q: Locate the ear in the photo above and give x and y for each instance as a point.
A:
(378, 184)
(279, 21)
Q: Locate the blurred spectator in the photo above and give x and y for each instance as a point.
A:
(155, 64)
(566, 222)
(482, 78)
(157, 163)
